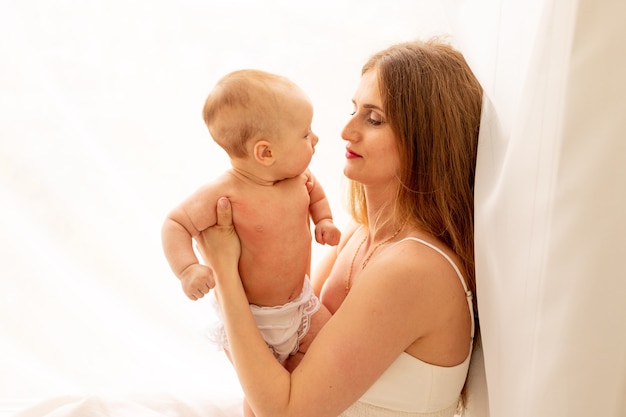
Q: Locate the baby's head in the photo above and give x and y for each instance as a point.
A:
(251, 106)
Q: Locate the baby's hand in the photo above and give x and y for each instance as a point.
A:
(327, 233)
(197, 280)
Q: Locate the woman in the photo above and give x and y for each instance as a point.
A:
(400, 283)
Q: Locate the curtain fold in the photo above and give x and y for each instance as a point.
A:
(550, 198)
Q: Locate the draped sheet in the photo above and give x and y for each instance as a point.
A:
(550, 204)
(99, 109)
(152, 405)
(101, 135)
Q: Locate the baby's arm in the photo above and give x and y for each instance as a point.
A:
(182, 224)
(325, 230)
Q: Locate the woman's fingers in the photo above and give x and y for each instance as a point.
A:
(224, 212)
(220, 244)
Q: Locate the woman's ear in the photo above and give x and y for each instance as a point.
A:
(262, 152)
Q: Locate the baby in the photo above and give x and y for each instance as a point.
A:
(263, 122)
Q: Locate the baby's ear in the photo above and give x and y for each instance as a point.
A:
(263, 152)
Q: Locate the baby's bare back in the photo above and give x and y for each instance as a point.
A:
(273, 225)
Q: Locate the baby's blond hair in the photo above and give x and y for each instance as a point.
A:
(243, 105)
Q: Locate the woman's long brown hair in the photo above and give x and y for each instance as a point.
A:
(433, 103)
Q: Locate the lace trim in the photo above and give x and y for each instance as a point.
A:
(216, 334)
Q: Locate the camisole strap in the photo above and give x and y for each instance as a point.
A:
(468, 293)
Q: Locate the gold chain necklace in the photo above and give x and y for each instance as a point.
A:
(367, 259)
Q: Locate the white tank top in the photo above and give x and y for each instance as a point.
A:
(413, 388)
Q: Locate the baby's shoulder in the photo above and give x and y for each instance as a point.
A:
(299, 179)
(221, 185)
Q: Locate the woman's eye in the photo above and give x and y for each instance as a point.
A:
(374, 119)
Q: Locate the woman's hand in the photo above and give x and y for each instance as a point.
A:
(219, 245)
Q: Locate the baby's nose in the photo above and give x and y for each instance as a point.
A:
(314, 139)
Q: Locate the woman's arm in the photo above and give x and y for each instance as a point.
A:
(374, 325)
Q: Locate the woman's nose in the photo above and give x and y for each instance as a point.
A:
(348, 133)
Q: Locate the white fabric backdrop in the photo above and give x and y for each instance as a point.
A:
(101, 134)
(550, 203)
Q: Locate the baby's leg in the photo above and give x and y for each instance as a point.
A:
(318, 320)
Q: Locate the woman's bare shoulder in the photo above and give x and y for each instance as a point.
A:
(414, 276)
(423, 286)
(419, 254)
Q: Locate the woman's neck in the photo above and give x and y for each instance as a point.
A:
(382, 217)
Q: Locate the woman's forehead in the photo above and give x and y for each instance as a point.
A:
(368, 93)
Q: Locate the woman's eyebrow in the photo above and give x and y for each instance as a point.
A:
(369, 106)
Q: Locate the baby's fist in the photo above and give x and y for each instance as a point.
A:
(327, 233)
(197, 280)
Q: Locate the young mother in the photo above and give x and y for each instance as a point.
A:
(400, 283)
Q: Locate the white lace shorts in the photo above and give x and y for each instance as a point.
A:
(282, 327)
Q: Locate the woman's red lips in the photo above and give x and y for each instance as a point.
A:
(351, 155)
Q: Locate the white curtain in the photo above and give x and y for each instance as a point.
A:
(100, 134)
(550, 203)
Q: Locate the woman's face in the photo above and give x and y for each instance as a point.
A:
(371, 153)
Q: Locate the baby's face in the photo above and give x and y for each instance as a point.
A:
(296, 144)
